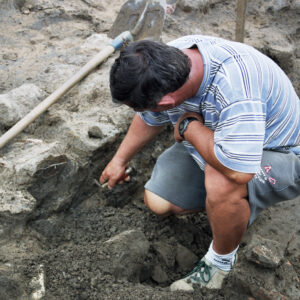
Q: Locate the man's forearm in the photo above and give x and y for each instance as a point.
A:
(202, 138)
(138, 135)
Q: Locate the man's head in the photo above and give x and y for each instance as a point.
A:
(145, 72)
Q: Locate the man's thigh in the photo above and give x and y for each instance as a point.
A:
(178, 179)
(278, 180)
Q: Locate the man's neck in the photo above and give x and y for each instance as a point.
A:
(192, 85)
(196, 73)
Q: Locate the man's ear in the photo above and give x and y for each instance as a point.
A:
(166, 101)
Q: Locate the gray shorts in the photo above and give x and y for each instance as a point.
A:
(178, 179)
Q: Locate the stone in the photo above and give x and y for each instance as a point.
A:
(265, 252)
(37, 284)
(159, 275)
(280, 49)
(16, 202)
(181, 286)
(95, 132)
(10, 56)
(165, 253)
(192, 5)
(278, 5)
(18, 102)
(95, 42)
(22, 161)
(10, 288)
(54, 76)
(288, 281)
(189, 5)
(185, 258)
(127, 251)
(51, 178)
(94, 3)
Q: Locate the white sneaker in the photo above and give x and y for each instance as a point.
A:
(205, 274)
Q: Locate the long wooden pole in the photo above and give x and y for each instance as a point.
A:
(240, 20)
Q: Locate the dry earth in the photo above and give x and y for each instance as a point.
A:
(63, 237)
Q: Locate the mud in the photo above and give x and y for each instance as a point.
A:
(64, 237)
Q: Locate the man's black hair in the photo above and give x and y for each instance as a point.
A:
(146, 71)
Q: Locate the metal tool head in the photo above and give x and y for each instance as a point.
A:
(143, 18)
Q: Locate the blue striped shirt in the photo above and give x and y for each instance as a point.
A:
(245, 98)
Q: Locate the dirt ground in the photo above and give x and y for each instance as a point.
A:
(81, 242)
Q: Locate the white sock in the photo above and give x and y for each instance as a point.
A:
(221, 261)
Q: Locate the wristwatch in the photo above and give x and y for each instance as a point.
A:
(183, 125)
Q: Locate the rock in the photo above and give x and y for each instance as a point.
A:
(288, 281)
(95, 42)
(54, 76)
(295, 5)
(127, 252)
(181, 285)
(264, 252)
(185, 258)
(18, 102)
(10, 288)
(15, 208)
(277, 5)
(37, 284)
(192, 5)
(10, 56)
(95, 132)
(56, 183)
(94, 3)
(22, 161)
(165, 253)
(189, 5)
(51, 178)
(16, 202)
(159, 275)
(280, 49)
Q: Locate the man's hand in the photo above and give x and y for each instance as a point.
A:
(114, 173)
(177, 136)
(138, 135)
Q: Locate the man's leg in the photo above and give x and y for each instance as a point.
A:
(227, 209)
(162, 207)
(228, 213)
(176, 184)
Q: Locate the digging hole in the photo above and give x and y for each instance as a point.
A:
(89, 247)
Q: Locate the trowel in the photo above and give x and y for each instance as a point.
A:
(128, 171)
(140, 19)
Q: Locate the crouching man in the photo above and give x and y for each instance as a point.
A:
(236, 124)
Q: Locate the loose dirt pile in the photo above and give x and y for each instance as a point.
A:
(61, 235)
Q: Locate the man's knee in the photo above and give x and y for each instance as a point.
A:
(160, 206)
(220, 189)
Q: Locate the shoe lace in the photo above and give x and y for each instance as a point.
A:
(203, 269)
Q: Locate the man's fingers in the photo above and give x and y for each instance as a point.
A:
(110, 181)
(127, 179)
(102, 179)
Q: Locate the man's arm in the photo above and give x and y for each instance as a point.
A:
(202, 138)
(138, 135)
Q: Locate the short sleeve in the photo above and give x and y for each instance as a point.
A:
(154, 118)
(239, 135)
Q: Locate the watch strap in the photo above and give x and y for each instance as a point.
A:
(184, 124)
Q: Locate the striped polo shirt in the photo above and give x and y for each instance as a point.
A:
(245, 98)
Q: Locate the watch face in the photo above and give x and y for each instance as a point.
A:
(181, 126)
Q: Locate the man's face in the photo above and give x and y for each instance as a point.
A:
(166, 102)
